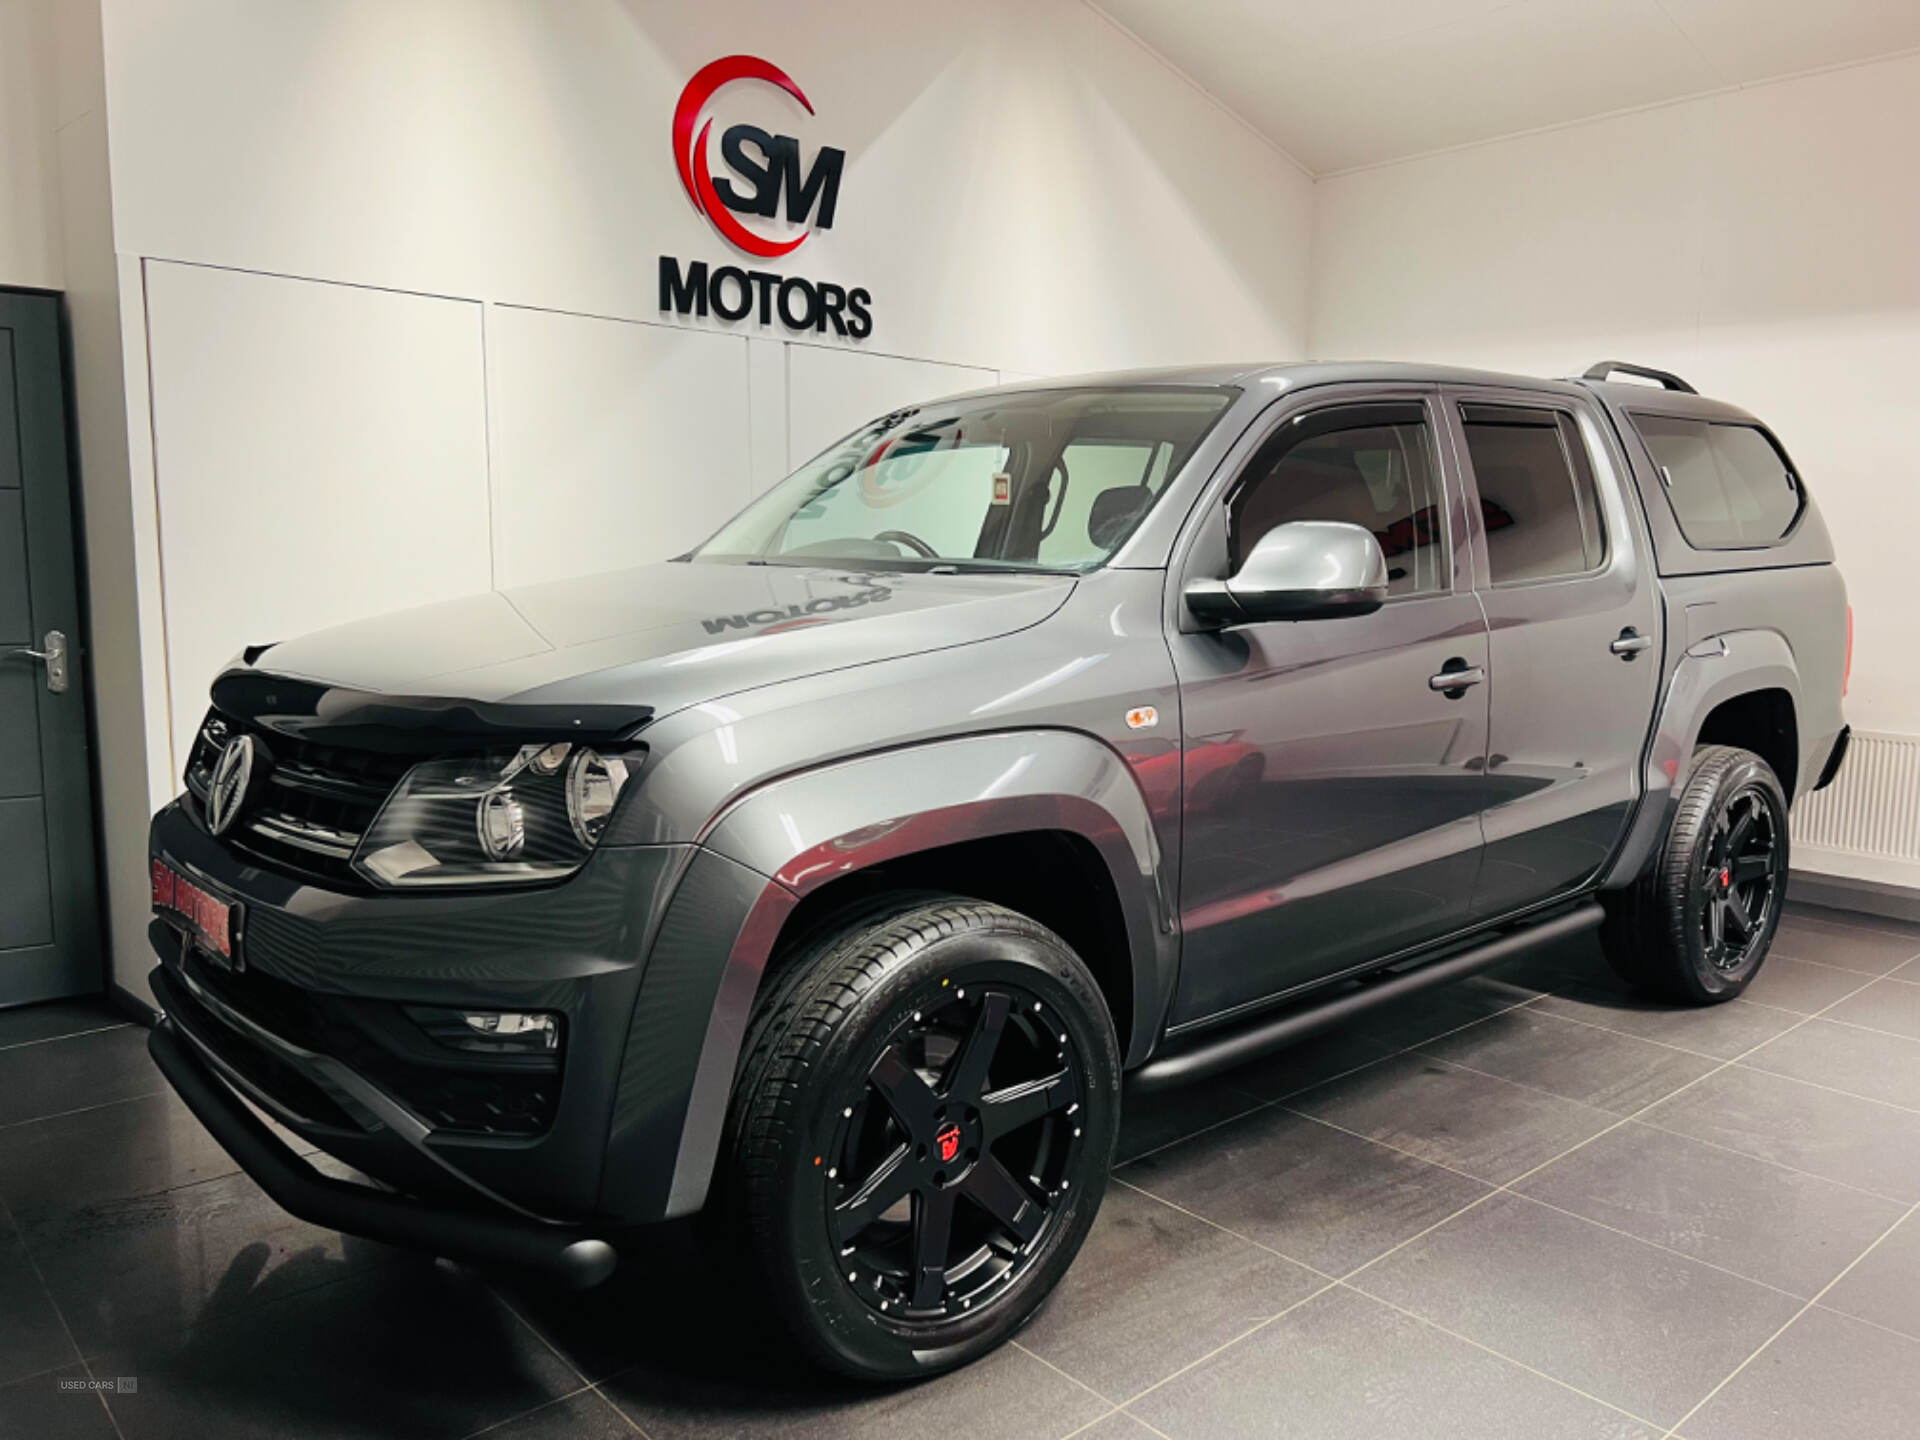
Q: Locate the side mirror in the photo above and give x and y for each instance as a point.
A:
(1304, 570)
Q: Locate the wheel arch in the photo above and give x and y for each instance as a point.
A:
(1733, 689)
(787, 855)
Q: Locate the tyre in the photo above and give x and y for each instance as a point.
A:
(1697, 924)
(921, 1133)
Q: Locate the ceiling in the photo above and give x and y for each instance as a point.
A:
(1344, 83)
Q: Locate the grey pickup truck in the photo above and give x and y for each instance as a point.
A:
(1024, 750)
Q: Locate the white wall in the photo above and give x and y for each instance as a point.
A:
(29, 159)
(388, 272)
(1764, 243)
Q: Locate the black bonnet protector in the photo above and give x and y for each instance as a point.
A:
(411, 724)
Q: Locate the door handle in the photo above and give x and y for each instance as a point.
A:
(1454, 678)
(54, 657)
(1630, 643)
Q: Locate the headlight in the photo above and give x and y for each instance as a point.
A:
(531, 814)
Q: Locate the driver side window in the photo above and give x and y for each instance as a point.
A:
(1370, 465)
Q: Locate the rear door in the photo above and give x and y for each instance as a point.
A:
(49, 926)
(1332, 792)
(1574, 624)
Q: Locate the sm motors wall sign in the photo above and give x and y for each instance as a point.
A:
(766, 181)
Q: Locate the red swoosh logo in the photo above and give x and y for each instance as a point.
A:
(690, 149)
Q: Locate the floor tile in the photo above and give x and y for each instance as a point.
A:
(80, 1071)
(1009, 1395)
(1842, 1137)
(1489, 1128)
(712, 1325)
(1827, 1376)
(1892, 1005)
(1722, 1031)
(130, 1268)
(26, 1024)
(1800, 986)
(1298, 1066)
(1343, 1367)
(1851, 947)
(1861, 1062)
(139, 1147)
(1154, 1289)
(586, 1416)
(1596, 1067)
(403, 1351)
(1320, 1196)
(41, 1409)
(1149, 1121)
(1117, 1426)
(1772, 1225)
(1885, 1286)
(1638, 1327)
(1420, 1018)
(31, 1337)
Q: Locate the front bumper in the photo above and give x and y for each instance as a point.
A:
(570, 1254)
(308, 1026)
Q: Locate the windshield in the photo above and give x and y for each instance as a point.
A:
(1046, 479)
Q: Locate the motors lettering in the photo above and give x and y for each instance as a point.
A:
(732, 293)
(812, 610)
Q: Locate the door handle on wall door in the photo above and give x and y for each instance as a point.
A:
(1454, 678)
(1630, 643)
(54, 657)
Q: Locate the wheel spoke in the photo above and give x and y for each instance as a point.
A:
(992, 1187)
(1735, 914)
(932, 1229)
(1743, 827)
(967, 1076)
(1007, 1110)
(1753, 867)
(1716, 917)
(884, 1188)
(904, 1091)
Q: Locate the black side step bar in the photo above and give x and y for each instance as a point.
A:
(1243, 1043)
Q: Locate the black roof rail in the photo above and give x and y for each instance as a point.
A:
(1668, 380)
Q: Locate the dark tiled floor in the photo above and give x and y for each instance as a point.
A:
(1533, 1205)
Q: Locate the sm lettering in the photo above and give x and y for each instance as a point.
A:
(775, 171)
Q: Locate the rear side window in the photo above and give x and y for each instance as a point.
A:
(1729, 485)
(1537, 499)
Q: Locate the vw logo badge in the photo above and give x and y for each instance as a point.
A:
(232, 777)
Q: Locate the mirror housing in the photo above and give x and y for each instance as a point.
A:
(1303, 570)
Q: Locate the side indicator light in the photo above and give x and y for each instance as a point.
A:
(1142, 717)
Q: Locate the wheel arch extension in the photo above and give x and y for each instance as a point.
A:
(1739, 688)
(974, 814)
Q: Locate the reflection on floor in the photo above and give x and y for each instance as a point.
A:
(1527, 1206)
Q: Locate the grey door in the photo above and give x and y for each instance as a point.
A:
(1575, 638)
(1332, 795)
(49, 921)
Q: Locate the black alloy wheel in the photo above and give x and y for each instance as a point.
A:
(1741, 872)
(944, 1181)
(921, 1132)
(1697, 924)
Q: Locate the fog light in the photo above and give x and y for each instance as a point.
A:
(490, 1032)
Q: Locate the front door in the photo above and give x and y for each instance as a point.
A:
(49, 924)
(1575, 634)
(1332, 784)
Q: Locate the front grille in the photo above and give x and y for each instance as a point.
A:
(314, 805)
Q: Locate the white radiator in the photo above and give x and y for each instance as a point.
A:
(1867, 822)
